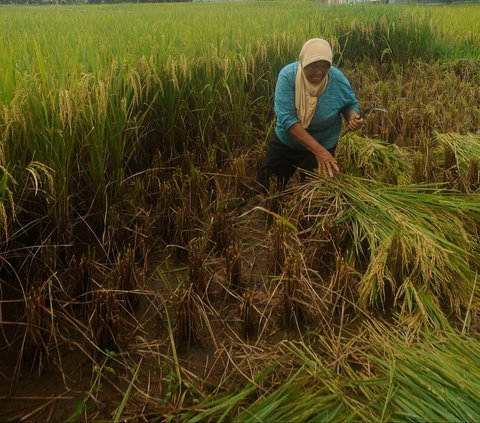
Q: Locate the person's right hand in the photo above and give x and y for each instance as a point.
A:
(327, 165)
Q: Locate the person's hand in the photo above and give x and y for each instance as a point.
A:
(355, 121)
(327, 165)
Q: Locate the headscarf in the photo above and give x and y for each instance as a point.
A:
(306, 93)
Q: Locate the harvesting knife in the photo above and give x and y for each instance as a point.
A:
(368, 110)
(364, 113)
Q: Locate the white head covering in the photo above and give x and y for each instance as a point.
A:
(306, 93)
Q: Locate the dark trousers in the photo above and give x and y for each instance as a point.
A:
(281, 161)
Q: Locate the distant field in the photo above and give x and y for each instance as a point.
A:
(61, 42)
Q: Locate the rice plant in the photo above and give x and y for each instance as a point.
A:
(458, 155)
(198, 274)
(342, 290)
(386, 378)
(37, 336)
(233, 265)
(186, 320)
(421, 386)
(128, 278)
(293, 309)
(373, 158)
(105, 321)
(130, 129)
(222, 230)
(248, 315)
(279, 240)
(81, 271)
(412, 244)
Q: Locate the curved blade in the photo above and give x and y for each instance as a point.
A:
(369, 110)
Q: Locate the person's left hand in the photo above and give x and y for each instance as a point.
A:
(355, 121)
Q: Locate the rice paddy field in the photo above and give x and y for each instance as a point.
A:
(144, 277)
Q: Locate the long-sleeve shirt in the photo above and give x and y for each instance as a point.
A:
(338, 98)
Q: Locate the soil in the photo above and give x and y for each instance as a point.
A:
(71, 382)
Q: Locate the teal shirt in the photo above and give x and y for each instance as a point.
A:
(338, 98)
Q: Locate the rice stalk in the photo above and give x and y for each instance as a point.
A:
(38, 333)
(198, 275)
(128, 278)
(81, 270)
(7, 204)
(294, 314)
(342, 289)
(248, 315)
(164, 211)
(459, 149)
(419, 164)
(298, 400)
(186, 330)
(425, 388)
(415, 232)
(222, 232)
(472, 176)
(105, 321)
(184, 222)
(376, 159)
(233, 265)
(279, 237)
(458, 155)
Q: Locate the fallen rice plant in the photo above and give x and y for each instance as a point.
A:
(387, 377)
(412, 244)
(376, 159)
(420, 383)
(458, 155)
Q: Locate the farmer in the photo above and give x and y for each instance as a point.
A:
(311, 96)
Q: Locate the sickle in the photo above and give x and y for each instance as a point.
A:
(368, 110)
(364, 113)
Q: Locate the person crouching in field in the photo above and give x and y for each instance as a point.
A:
(311, 96)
